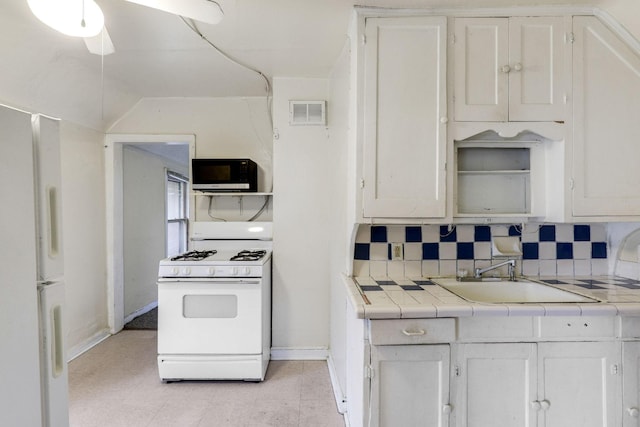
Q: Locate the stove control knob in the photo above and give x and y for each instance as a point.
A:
(175, 271)
(212, 271)
(234, 271)
(186, 271)
(247, 271)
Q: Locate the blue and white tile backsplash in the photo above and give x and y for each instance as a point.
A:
(441, 250)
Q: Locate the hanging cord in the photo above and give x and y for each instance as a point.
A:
(264, 206)
(256, 215)
(192, 25)
(102, 75)
(209, 211)
(83, 22)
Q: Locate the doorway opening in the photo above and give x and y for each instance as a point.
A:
(143, 174)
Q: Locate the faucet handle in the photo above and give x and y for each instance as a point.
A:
(511, 268)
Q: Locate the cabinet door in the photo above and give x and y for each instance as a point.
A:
(410, 386)
(631, 384)
(606, 87)
(480, 82)
(509, 69)
(404, 117)
(536, 63)
(579, 384)
(495, 385)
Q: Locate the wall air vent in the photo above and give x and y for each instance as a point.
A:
(307, 113)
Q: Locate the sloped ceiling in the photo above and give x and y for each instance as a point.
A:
(157, 55)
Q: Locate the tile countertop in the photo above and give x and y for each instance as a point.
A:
(395, 298)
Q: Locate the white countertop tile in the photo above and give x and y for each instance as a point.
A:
(454, 310)
(490, 310)
(381, 311)
(418, 311)
(525, 309)
(562, 310)
(595, 309)
(628, 309)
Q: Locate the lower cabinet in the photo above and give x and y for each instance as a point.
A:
(425, 377)
(409, 385)
(555, 384)
(579, 384)
(631, 384)
(494, 385)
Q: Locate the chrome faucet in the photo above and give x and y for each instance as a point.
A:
(512, 269)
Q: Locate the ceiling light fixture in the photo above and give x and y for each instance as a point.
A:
(207, 11)
(76, 18)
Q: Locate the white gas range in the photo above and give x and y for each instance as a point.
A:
(214, 305)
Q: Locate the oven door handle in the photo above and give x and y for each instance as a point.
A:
(244, 281)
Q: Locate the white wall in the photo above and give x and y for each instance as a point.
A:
(144, 182)
(302, 172)
(224, 127)
(83, 216)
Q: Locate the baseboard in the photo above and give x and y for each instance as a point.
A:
(87, 345)
(314, 353)
(140, 312)
(341, 400)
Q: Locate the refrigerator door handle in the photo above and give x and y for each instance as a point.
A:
(57, 350)
(52, 222)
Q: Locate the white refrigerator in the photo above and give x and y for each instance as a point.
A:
(33, 369)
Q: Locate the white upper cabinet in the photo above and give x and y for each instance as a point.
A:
(404, 153)
(509, 69)
(606, 129)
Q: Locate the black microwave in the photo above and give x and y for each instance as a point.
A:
(224, 175)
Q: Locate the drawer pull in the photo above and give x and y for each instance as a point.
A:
(414, 333)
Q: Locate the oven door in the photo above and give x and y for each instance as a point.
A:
(210, 316)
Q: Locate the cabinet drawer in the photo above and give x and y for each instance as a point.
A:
(577, 327)
(630, 327)
(412, 331)
(496, 329)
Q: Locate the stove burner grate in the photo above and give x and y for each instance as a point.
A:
(194, 255)
(248, 255)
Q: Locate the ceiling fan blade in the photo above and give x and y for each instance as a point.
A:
(207, 11)
(100, 44)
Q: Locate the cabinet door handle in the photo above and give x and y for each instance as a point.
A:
(505, 69)
(535, 405)
(633, 412)
(446, 409)
(413, 333)
(545, 404)
(517, 67)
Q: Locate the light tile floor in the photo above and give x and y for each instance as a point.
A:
(116, 384)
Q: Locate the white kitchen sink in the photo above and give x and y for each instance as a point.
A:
(505, 291)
